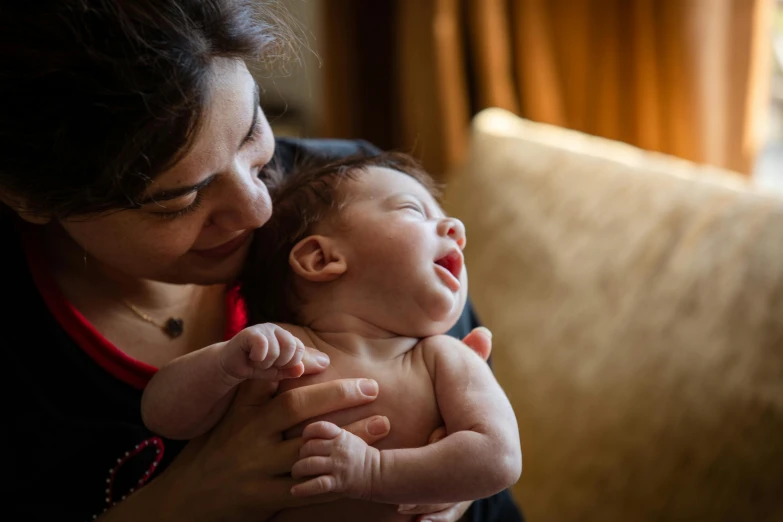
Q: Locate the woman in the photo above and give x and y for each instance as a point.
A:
(131, 157)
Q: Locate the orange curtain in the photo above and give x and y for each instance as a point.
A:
(683, 77)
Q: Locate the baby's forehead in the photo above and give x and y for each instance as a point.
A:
(383, 182)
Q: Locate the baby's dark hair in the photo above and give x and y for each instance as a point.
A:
(300, 202)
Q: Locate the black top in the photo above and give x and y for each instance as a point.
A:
(77, 441)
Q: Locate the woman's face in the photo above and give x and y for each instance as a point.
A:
(196, 225)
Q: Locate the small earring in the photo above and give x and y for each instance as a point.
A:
(85, 259)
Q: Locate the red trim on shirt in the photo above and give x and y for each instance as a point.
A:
(125, 368)
(236, 313)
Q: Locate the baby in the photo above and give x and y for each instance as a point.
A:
(360, 262)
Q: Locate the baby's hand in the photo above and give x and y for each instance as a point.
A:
(263, 351)
(338, 461)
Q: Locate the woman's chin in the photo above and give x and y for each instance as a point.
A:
(203, 276)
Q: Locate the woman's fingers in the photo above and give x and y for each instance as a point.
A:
(280, 489)
(294, 406)
(314, 361)
(371, 429)
(450, 514)
(253, 394)
(480, 341)
(284, 457)
(419, 509)
(292, 372)
(437, 435)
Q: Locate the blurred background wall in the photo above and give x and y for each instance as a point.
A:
(690, 78)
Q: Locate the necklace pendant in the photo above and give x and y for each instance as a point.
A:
(174, 327)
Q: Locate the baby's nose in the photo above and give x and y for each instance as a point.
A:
(454, 229)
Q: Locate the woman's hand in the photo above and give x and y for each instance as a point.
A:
(480, 341)
(241, 469)
(437, 512)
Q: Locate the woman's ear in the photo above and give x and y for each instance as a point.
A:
(317, 259)
(18, 206)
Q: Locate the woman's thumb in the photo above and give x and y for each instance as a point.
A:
(480, 341)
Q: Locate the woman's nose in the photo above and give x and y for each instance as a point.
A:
(454, 229)
(246, 203)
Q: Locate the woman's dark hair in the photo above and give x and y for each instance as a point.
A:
(98, 97)
(310, 195)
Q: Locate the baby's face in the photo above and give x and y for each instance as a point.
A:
(404, 255)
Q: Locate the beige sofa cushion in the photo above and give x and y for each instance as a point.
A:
(637, 307)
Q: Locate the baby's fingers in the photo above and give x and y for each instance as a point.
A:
(312, 466)
(316, 448)
(297, 356)
(261, 347)
(291, 349)
(253, 342)
(291, 373)
(317, 486)
(321, 430)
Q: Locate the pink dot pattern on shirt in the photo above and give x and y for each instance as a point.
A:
(113, 497)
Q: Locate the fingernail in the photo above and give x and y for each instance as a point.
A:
(368, 387)
(378, 426)
(486, 331)
(322, 359)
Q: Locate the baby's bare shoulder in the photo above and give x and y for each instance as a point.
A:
(439, 347)
(439, 343)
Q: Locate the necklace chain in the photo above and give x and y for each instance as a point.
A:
(141, 314)
(173, 327)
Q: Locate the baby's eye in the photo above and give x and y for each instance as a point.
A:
(414, 207)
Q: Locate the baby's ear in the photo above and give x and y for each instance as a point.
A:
(317, 259)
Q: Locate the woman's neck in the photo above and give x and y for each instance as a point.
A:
(74, 267)
(102, 296)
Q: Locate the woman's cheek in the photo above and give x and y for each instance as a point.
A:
(180, 243)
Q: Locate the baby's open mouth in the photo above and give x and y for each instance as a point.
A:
(452, 262)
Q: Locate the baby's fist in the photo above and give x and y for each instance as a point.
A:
(336, 461)
(263, 351)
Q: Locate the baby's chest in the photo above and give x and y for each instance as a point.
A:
(406, 397)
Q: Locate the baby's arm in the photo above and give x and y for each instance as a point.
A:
(480, 456)
(191, 393)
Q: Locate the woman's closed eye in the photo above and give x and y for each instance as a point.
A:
(184, 211)
(183, 205)
(254, 133)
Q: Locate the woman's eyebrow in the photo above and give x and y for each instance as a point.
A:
(169, 194)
